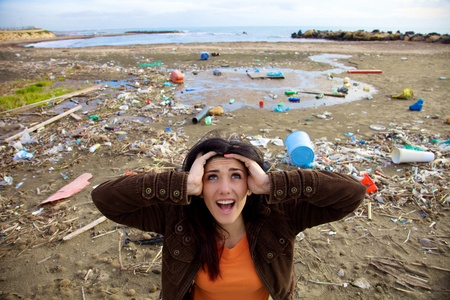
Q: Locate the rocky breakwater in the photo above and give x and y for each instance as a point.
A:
(375, 35)
(15, 35)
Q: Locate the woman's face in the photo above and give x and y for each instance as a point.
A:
(225, 189)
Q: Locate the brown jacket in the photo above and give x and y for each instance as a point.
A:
(299, 199)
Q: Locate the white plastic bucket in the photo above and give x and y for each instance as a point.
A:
(300, 148)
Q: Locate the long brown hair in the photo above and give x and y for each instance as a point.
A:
(203, 225)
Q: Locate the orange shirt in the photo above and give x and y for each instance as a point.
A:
(238, 280)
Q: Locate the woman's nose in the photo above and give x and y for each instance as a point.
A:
(224, 187)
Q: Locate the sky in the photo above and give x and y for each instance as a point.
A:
(57, 15)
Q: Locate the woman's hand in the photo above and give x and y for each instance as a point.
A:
(195, 177)
(258, 181)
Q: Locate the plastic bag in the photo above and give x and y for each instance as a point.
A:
(407, 94)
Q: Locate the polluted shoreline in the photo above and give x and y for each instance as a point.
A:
(394, 245)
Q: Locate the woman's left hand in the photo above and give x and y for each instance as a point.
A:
(258, 181)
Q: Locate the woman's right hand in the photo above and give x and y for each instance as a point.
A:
(195, 177)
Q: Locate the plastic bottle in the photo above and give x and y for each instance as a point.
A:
(290, 92)
(94, 147)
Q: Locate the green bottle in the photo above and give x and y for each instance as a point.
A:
(290, 92)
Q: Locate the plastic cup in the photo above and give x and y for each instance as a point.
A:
(401, 155)
(300, 148)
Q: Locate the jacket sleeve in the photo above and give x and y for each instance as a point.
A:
(311, 197)
(142, 201)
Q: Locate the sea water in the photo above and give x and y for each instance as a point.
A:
(186, 35)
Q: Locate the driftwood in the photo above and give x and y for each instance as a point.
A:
(55, 99)
(403, 278)
(16, 136)
(84, 229)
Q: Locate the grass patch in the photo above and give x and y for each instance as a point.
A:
(30, 94)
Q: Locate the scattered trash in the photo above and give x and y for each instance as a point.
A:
(22, 154)
(157, 63)
(377, 127)
(343, 90)
(281, 108)
(217, 73)
(94, 147)
(361, 283)
(370, 185)
(177, 77)
(7, 180)
(72, 188)
(292, 99)
(417, 106)
(407, 94)
(300, 148)
(200, 115)
(402, 155)
(204, 55)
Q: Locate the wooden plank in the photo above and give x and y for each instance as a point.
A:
(84, 229)
(325, 94)
(16, 136)
(51, 100)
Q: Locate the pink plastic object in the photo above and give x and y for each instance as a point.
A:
(72, 188)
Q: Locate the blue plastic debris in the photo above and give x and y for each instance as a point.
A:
(417, 106)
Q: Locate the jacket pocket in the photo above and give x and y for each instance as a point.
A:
(177, 258)
(272, 245)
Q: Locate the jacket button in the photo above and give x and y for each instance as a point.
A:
(294, 190)
(162, 192)
(176, 193)
(309, 189)
(269, 255)
(281, 241)
(148, 191)
(176, 252)
(187, 239)
(279, 192)
(180, 228)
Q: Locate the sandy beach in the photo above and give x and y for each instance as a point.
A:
(394, 246)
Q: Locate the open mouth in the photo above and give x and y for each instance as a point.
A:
(226, 205)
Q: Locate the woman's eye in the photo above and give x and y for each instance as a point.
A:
(236, 176)
(212, 177)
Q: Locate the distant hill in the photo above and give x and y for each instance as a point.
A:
(31, 34)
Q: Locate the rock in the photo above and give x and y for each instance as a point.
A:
(216, 111)
(309, 34)
(348, 35)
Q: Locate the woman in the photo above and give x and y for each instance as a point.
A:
(229, 227)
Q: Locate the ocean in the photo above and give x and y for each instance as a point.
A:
(192, 35)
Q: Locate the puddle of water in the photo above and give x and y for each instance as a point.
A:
(234, 83)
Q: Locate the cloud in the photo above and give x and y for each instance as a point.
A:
(109, 14)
